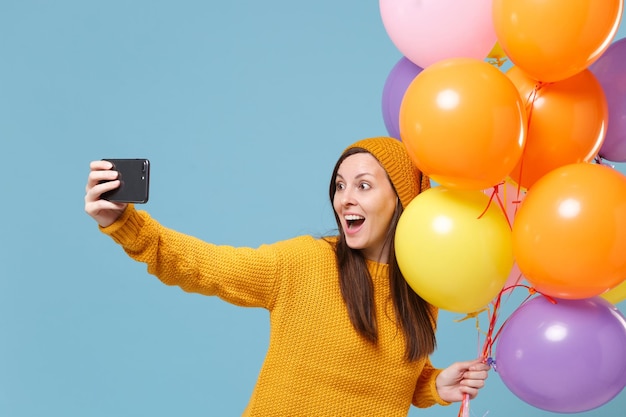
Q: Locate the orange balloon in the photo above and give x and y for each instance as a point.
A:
(463, 123)
(569, 234)
(567, 123)
(553, 40)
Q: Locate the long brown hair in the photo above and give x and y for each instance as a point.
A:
(415, 316)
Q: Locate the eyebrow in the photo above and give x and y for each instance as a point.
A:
(363, 174)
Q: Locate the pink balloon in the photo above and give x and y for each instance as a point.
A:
(428, 31)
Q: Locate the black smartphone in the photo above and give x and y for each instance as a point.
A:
(134, 176)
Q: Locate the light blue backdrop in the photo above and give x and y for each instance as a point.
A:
(242, 108)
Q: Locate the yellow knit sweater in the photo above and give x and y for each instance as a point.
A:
(316, 364)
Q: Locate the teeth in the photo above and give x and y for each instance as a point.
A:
(353, 217)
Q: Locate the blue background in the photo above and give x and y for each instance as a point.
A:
(243, 108)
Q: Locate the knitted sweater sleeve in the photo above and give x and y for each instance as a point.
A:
(241, 276)
(426, 394)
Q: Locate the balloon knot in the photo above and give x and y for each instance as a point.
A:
(471, 315)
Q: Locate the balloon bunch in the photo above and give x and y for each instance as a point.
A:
(521, 191)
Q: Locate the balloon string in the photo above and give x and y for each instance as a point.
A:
(598, 160)
(498, 61)
(531, 291)
(530, 105)
(495, 193)
(465, 406)
(502, 205)
(490, 338)
(516, 202)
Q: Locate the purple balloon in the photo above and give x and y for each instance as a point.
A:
(567, 357)
(610, 70)
(396, 85)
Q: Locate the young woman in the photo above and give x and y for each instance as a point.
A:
(348, 335)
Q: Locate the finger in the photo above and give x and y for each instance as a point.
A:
(100, 171)
(471, 363)
(97, 176)
(470, 391)
(479, 367)
(474, 380)
(100, 165)
(478, 375)
(463, 367)
(94, 192)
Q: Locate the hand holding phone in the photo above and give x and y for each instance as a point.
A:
(134, 176)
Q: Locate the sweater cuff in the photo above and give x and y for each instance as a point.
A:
(125, 229)
(433, 388)
(426, 394)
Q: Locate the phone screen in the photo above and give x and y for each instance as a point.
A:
(134, 176)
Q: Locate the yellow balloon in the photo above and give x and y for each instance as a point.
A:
(497, 52)
(616, 294)
(454, 248)
(497, 56)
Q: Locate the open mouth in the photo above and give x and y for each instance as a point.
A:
(354, 221)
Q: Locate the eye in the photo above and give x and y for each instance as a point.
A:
(365, 186)
(339, 186)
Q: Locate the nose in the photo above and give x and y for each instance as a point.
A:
(347, 198)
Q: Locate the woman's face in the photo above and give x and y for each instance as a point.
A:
(365, 202)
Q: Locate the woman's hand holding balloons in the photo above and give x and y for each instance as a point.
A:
(460, 379)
